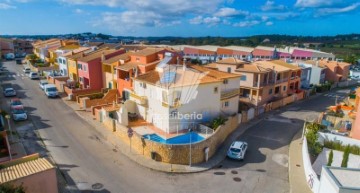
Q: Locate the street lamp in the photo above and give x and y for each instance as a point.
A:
(190, 130)
(9, 125)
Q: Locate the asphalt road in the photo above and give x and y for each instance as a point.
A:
(89, 163)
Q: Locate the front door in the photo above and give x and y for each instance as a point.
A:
(110, 85)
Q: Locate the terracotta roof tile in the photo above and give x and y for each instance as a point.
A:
(24, 169)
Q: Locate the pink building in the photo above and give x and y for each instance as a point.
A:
(90, 67)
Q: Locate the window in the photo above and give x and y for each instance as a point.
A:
(79, 66)
(270, 91)
(243, 78)
(85, 68)
(226, 104)
(284, 88)
(81, 79)
(225, 81)
(142, 85)
(229, 69)
(137, 59)
(277, 89)
(216, 90)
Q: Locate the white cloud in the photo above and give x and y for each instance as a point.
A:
(210, 21)
(269, 23)
(230, 12)
(246, 23)
(78, 11)
(196, 20)
(270, 6)
(6, 6)
(330, 11)
(315, 3)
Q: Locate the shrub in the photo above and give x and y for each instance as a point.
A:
(331, 157)
(9, 188)
(311, 136)
(217, 122)
(335, 145)
(345, 157)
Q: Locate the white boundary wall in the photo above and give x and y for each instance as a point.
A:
(310, 175)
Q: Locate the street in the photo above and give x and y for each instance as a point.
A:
(90, 164)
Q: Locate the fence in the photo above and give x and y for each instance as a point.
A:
(178, 154)
(311, 177)
(76, 92)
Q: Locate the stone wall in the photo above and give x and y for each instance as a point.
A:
(178, 154)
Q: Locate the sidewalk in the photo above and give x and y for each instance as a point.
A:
(297, 178)
(119, 145)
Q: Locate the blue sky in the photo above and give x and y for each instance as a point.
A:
(180, 17)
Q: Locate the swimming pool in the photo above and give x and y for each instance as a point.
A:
(181, 139)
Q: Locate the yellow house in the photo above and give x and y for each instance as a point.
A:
(72, 65)
(109, 72)
(54, 53)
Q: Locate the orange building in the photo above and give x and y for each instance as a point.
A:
(142, 62)
(335, 71)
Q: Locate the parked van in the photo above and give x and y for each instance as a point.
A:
(51, 90)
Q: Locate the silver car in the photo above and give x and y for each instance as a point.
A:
(19, 114)
(9, 92)
(237, 150)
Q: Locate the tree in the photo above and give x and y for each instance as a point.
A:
(331, 157)
(345, 157)
(10, 188)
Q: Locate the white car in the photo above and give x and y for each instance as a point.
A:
(42, 84)
(9, 92)
(26, 70)
(34, 75)
(19, 114)
(237, 150)
(51, 90)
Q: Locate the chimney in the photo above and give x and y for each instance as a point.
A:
(114, 104)
(136, 72)
(102, 57)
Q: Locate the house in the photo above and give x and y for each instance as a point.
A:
(55, 53)
(109, 69)
(355, 130)
(36, 175)
(256, 83)
(282, 78)
(62, 59)
(306, 74)
(90, 67)
(317, 76)
(176, 97)
(239, 52)
(294, 84)
(72, 63)
(22, 47)
(42, 48)
(334, 71)
(264, 53)
(141, 62)
(309, 54)
(6, 47)
(204, 53)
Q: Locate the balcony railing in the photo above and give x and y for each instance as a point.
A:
(141, 100)
(282, 80)
(230, 94)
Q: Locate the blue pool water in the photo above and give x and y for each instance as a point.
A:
(182, 139)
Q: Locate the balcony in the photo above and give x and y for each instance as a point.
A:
(174, 105)
(282, 80)
(141, 100)
(230, 94)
